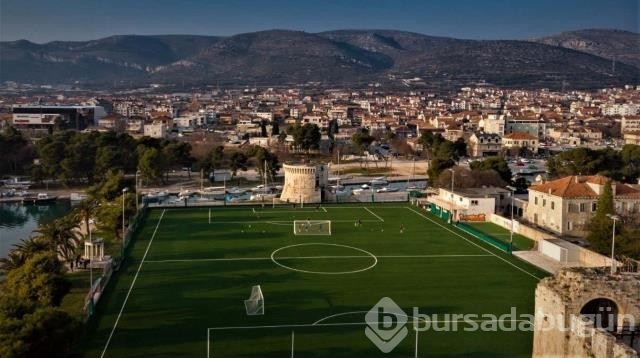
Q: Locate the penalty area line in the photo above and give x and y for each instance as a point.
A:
(372, 213)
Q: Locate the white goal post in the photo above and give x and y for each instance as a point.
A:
(255, 304)
(312, 227)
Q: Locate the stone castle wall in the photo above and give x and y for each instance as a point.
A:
(560, 331)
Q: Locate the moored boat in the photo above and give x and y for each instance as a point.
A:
(41, 198)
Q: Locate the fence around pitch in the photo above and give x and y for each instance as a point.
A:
(484, 237)
(101, 283)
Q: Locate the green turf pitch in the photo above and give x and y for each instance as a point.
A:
(182, 289)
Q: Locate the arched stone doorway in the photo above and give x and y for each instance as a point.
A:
(603, 312)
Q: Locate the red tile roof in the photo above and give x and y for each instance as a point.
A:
(520, 135)
(576, 186)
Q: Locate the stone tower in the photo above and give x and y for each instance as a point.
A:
(586, 312)
(304, 183)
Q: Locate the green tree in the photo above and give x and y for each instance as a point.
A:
(306, 137)
(151, 164)
(361, 139)
(46, 332)
(494, 163)
(263, 156)
(437, 166)
(13, 152)
(108, 158)
(110, 186)
(238, 162)
(40, 280)
(600, 226)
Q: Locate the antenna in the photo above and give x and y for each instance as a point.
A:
(613, 66)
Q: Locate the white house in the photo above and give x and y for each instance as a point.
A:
(471, 202)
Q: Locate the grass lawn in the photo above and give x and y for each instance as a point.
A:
(498, 232)
(181, 291)
(73, 302)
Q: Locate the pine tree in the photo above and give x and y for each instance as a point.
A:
(601, 225)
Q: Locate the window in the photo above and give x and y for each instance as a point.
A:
(583, 207)
(594, 206)
(544, 202)
(553, 205)
(474, 202)
(535, 200)
(569, 225)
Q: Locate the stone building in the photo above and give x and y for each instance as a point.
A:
(566, 205)
(304, 183)
(484, 144)
(586, 312)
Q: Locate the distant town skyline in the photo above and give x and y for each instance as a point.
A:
(76, 20)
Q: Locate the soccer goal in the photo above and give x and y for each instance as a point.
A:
(312, 227)
(255, 304)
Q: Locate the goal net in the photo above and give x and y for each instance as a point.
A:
(255, 304)
(312, 227)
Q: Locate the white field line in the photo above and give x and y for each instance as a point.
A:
(132, 284)
(260, 211)
(356, 324)
(323, 208)
(284, 221)
(312, 257)
(318, 322)
(473, 243)
(374, 214)
(362, 207)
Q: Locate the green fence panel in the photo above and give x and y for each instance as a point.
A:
(484, 237)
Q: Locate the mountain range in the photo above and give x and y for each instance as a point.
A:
(578, 59)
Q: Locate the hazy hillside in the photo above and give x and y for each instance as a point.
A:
(289, 57)
(623, 46)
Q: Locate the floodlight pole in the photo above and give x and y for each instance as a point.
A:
(513, 192)
(453, 175)
(613, 242)
(90, 262)
(137, 204)
(124, 191)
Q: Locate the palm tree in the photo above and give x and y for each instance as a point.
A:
(21, 252)
(83, 213)
(60, 236)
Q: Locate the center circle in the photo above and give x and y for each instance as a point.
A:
(366, 254)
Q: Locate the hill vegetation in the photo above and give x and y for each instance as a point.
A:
(345, 57)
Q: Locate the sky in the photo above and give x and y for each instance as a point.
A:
(78, 20)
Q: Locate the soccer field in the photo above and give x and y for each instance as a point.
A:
(182, 290)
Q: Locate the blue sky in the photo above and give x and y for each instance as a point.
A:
(47, 20)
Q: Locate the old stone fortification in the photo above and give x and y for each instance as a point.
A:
(304, 183)
(560, 330)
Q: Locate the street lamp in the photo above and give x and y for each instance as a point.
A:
(613, 241)
(124, 191)
(137, 206)
(513, 193)
(453, 175)
(90, 259)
